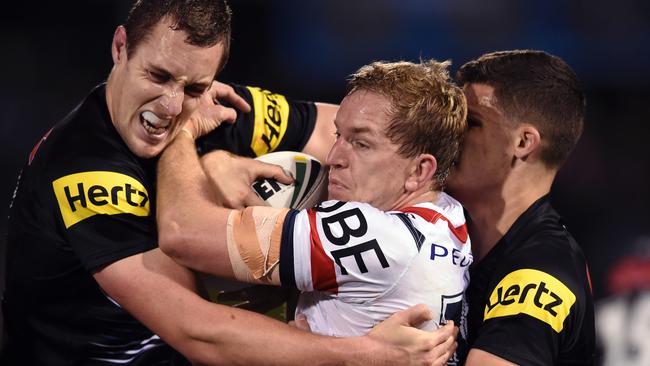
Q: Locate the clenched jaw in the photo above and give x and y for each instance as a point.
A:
(154, 124)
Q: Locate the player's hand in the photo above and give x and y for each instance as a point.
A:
(426, 348)
(231, 176)
(210, 113)
(300, 322)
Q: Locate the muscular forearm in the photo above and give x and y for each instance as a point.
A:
(246, 338)
(191, 227)
(153, 289)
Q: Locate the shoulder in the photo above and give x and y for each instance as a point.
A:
(549, 247)
(89, 169)
(545, 276)
(85, 140)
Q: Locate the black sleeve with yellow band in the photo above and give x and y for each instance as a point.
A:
(275, 123)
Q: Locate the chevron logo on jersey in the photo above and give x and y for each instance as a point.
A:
(83, 195)
(531, 292)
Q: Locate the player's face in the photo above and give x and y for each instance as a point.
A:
(158, 86)
(487, 151)
(364, 163)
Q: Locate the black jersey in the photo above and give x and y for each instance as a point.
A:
(84, 201)
(274, 124)
(530, 299)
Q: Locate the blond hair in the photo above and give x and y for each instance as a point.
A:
(428, 111)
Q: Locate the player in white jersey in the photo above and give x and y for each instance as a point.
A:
(357, 265)
(389, 239)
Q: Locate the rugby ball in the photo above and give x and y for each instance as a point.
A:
(308, 189)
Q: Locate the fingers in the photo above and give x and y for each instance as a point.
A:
(266, 170)
(300, 322)
(224, 114)
(415, 315)
(445, 343)
(445, 351)
(283, 176)
(449, 330)
(225, 92)
(253, 199)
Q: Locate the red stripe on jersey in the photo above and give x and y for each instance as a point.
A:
(323, 275)
(38, 144)
(591, 288)
(433, 216)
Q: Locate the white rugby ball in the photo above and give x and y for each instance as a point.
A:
(308, 189)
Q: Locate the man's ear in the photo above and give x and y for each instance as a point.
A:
(528, 141)
(422, 170)
(118, 47)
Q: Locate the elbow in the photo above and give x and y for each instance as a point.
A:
(171, 238)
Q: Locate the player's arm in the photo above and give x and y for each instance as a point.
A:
(322, 138)
(275, 123)
(157, 291)
(192, 228)
(477, 357)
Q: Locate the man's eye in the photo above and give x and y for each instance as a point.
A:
(473, 122)
(194, 92)
(359, 144)
(337, 135)
(158, 77)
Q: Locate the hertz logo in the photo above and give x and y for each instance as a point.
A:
(271, 118)
(531, 292)
(83, 195)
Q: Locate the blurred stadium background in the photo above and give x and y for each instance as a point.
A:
(54, 52)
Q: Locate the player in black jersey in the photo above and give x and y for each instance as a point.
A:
(530, 299)
(86, 283)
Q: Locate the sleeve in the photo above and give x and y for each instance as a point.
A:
(344, 248)
(104, 214)
(274, 124)
(534, 305)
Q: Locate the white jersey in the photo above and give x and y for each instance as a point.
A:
(357, 265)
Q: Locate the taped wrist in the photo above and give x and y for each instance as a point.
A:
(253, 237)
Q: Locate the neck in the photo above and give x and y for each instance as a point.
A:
(414, 198)
(493, 213)
(109, 95)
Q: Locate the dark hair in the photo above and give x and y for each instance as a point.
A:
(206, 22)
(535, 87)
(427, 113)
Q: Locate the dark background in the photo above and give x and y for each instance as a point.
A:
(54, 52)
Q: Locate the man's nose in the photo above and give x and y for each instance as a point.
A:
(336, 156)
(172, 102)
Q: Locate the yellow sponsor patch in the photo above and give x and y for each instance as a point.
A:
(83, 195)
(271, 119)
(532, 292)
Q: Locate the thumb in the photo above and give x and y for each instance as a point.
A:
(266, 170)
(415, 315)
(252, 199)
(449, 329)
(283, 176)
(300, 322)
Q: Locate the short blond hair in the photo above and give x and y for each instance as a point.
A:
(428, 112)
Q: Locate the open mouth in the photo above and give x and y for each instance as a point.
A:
(153, 124)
